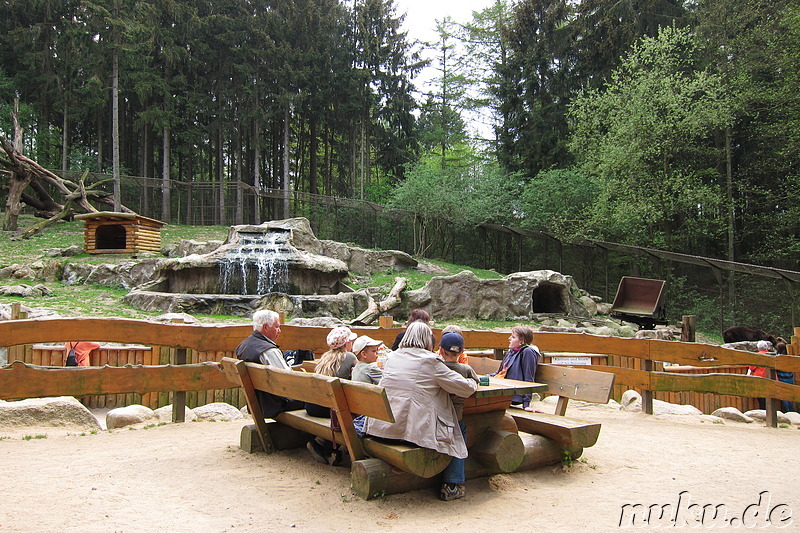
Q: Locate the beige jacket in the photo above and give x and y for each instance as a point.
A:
(419, 385)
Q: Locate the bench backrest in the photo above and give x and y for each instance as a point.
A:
(566, 382)
(360, 398)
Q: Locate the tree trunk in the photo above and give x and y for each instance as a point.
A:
(312, 164)
(731, 220)
(221, 171)
(18, 181)
(257, 173)
(166, 199)
(115, 130)
(64, 137)
(285, 183)
(237, 153)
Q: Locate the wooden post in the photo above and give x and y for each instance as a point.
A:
(179, 397)
(16, 353)
(386, 322)
(688, 328)
(647, 395)
(772, 404)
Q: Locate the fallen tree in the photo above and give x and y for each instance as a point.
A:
(376, 309)
(26, 175)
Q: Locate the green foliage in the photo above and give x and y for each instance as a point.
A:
(576, 194)
(643, 137)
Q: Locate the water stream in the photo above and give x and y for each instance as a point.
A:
(258, 265)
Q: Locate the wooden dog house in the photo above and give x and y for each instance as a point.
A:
(120, 233)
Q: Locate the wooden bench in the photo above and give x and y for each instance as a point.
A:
(292, 428)
(568, 383)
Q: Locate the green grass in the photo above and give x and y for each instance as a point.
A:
(84, 300)
(417, 279)
(31, 437)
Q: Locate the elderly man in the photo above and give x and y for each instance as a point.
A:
(260, 347)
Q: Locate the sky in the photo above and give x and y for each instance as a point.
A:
(420, 22)
(421, 15)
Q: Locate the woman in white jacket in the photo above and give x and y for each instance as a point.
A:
(418, 385)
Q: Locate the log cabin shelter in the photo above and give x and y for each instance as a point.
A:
(120, 233)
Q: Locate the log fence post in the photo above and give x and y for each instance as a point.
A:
(179, 397)
(647, 394)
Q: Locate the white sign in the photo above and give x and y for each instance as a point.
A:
(571, 360)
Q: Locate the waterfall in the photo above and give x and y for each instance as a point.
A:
(261, 254)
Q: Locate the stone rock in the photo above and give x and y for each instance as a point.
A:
(24, 273)
(761, 415)
(732, 413)
(217, 411)
(589, 304)
(127, 274)
(69, 251)
(168, 318)
(605, 331)
(561, 329)
(749, 346)
(129, 416)
(793, 417)
(367, 262)
(659, 334)
(25, 291)
(711, 418)
(188, 247)
(666, 408)
(62, 412)
(8, 271)
(627, 331)
(319, 321)
(604, 308)
(631, 401)
(519, 294)
(164, 414)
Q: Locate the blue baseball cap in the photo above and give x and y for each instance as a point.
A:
(452, 342)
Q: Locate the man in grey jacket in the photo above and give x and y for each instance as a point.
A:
(260, 347)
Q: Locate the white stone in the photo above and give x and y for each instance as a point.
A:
(164, 414)
(217, 411)
(631, 401)
(666, 408)
(711, 418)
(793, 417)
(60, 412)
(128, 416)
(732, 413)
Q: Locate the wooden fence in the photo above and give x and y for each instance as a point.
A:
(188, 353)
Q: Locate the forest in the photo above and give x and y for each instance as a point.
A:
(658, 123)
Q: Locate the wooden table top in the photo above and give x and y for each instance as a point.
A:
(508, 387)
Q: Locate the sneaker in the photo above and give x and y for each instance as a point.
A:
(452, 491)
(317, 451)
(335, 457)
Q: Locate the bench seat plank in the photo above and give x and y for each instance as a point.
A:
(567, 431)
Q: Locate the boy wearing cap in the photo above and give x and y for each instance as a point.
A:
(366, 350)
(451, 348)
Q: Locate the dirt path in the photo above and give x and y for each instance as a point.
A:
(193, 478)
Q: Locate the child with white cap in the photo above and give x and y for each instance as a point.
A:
(366, 350)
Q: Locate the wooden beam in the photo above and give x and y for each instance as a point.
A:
(20, 380)
(567, 431)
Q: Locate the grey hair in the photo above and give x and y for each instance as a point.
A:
(264, 317)
(418, 335)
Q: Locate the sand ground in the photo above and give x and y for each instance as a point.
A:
(194, 478)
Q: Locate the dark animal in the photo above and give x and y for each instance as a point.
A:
(741, 333)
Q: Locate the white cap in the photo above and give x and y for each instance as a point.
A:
(764, 346)
(362, 342)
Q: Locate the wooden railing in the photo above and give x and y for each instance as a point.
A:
(204, 345)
